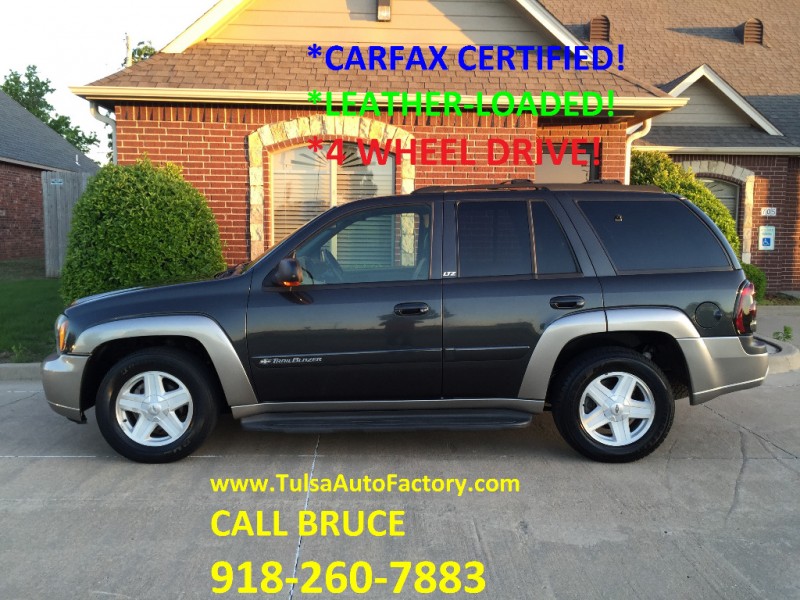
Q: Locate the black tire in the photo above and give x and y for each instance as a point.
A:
(174, 372)
(608, 442)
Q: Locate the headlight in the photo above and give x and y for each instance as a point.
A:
(62, 329)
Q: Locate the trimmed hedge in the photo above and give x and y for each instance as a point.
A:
(137, 225)
(657, 168)
(758, 278)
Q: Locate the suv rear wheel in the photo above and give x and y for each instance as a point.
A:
(613, 405)
(156, 405)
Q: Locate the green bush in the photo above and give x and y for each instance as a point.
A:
(137, 225)
(758, 278)
(657, 168)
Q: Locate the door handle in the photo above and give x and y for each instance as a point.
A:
(411, 308)
(567, 302)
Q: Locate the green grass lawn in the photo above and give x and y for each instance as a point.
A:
(29, 305)
(21, 268)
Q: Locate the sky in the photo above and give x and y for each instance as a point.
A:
(75, 42)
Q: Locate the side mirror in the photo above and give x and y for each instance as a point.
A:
(288, 274)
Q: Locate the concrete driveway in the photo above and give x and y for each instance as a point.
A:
(714, 513)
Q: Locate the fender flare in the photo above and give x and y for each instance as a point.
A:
(232, 375)
(561, 332)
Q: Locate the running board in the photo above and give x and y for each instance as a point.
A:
(388, 420)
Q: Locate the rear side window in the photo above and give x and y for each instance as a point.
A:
(553, 252)
(493, 239)
(654, 235)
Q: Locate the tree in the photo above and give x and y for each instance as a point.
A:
(31, 91)
(657, 168)
(141, 51)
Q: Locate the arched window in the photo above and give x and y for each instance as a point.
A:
(727, 192)
(304, 184)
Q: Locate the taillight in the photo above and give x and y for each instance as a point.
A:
(744, 315)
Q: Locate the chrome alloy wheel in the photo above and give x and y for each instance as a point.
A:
(154, 408)
(617, 409)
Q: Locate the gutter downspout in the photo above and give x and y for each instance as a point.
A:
(634, 135)
(93, 108)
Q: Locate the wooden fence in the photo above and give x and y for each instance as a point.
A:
(60, 192)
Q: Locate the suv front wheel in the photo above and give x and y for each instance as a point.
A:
(613, 405)
(156, 405)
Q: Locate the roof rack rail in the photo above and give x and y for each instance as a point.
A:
(512, 184)
(527, 184)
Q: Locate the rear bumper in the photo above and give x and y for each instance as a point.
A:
(61, 379)
(722, 365)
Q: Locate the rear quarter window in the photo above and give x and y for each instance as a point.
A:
(654, 235)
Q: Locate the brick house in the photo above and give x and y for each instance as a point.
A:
(28, 147)
(738, 61)
(228, 100)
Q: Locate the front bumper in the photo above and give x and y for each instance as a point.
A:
(722, 365)
(61, 378)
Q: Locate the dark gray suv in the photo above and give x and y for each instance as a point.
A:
(449, 308)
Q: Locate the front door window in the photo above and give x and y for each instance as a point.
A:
(381, 244)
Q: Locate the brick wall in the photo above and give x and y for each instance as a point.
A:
(210, 143)
(776, 185)
(612, 142)
(21, 221)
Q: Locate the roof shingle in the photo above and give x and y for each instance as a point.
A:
(288, 68)
(26, 139)
(666, 40)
